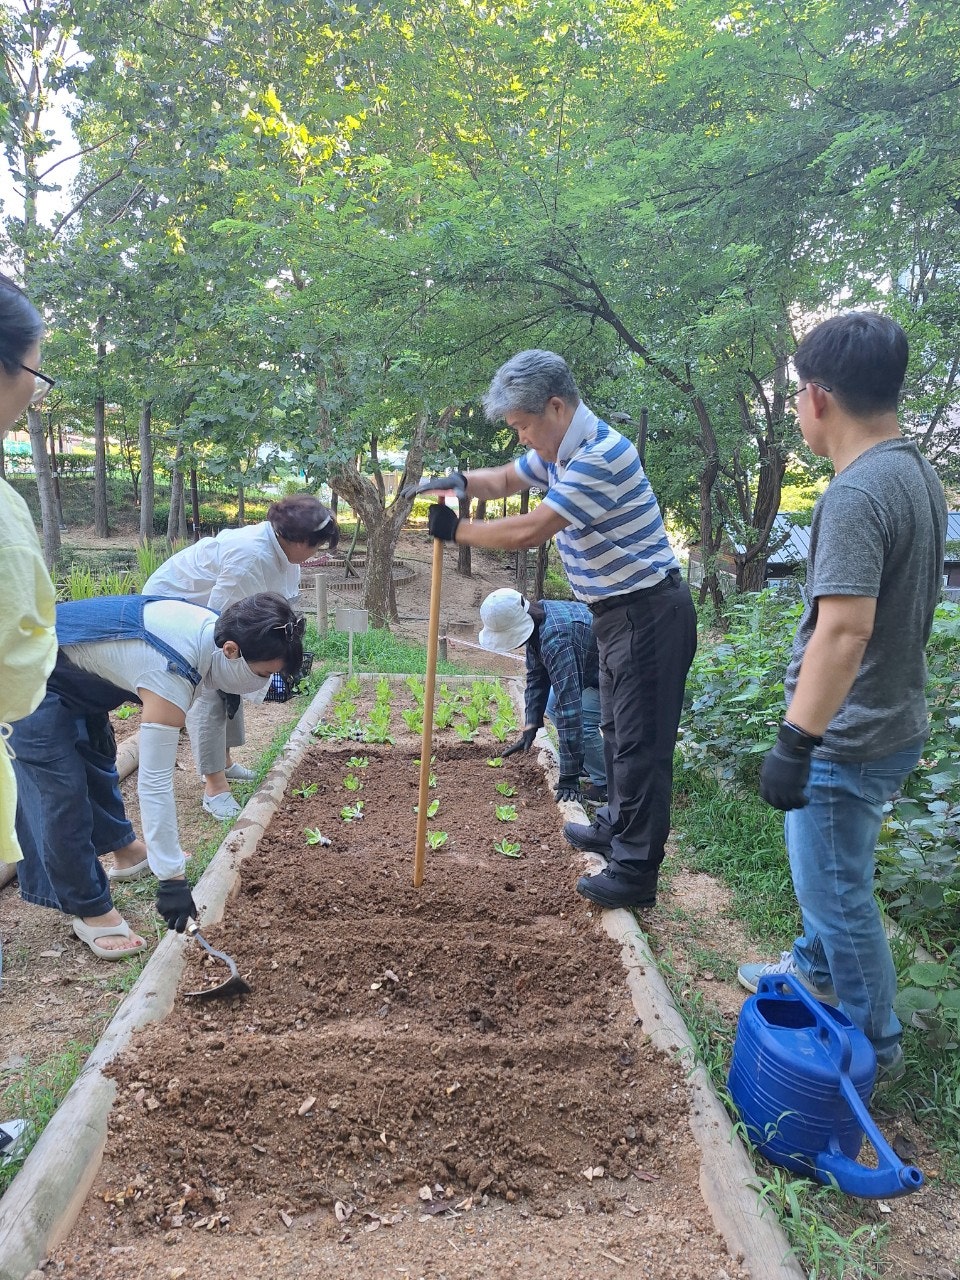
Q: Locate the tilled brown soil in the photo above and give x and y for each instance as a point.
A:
(447, 1081)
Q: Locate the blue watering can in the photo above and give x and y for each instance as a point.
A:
(801, 1076)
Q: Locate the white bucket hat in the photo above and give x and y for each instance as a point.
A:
(506, 622)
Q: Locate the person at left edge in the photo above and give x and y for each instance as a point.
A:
(165, 653)
(28, 645)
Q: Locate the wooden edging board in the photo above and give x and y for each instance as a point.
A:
(42, 1203)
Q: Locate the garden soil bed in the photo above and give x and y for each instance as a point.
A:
(439, 1082)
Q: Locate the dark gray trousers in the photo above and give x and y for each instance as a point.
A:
(646, 649)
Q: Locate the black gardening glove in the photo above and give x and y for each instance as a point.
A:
(523, 743)
(456, 481)
(175, 903)
(232, 701)
(442, 522)
(568, 787)
(786, 768)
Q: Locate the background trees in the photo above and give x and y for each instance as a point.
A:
(320, 230)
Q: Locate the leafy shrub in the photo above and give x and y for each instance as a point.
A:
(735, 689)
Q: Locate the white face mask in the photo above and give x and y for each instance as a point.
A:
(232, 675)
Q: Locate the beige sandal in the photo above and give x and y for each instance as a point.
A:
(89, 933)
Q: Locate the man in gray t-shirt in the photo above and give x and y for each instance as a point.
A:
(856, 713)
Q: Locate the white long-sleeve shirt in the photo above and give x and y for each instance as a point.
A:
(219, 571)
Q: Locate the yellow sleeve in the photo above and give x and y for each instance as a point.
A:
(28, 641)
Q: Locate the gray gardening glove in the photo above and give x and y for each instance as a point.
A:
(455, 481)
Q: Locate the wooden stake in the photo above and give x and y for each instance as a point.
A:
(429, 685)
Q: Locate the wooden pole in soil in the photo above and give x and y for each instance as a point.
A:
(429, 685)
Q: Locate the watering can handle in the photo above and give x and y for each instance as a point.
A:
(768, 985)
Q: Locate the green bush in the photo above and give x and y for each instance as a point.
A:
(735, 688)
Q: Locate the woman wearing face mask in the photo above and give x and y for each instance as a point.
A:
(168, 654)
(28, 644)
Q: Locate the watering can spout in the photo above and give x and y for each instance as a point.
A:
(883, 1183)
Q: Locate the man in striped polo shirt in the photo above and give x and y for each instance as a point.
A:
(609, 531)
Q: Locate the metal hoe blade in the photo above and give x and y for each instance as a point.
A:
(233, 985)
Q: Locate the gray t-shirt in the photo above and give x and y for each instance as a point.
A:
(879, 531)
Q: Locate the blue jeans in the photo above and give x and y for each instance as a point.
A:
(69, 811)
(831, 845)
(593, 765)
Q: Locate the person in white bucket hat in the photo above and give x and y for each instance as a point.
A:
(562, 681)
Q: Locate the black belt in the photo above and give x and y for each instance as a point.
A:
(620, 602)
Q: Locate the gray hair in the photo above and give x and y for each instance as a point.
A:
(526, 382)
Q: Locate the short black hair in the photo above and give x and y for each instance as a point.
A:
(264, 627)
(304, 518)
(861, 356)
(21, 325)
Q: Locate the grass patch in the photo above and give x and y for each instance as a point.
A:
(35, 1095)
(739, 840)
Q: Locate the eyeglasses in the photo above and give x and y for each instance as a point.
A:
(792, 395)
(43, 383)
(294, 629)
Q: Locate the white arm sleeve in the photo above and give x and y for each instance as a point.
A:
(158, 814)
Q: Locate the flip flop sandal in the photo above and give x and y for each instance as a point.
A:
(139, 871)
(89, 933)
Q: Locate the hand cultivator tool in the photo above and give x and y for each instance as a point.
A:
(232, 985)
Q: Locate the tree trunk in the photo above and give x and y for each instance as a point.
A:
(710, 538)
(540, 575)
(241, 508)
(177, 516)
(55, 472)
(49, 518)
(383, 524)
(464, 560)
(147, 482)
(100, 521)
(195, 504)
(523, 555)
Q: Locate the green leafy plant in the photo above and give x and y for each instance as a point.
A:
(505, 789)
(357, 762)
(930, 1000)
(352, 782)
(436, 838)
(126, 711)
(314, 835)
(306, 791)
(443, 715)
(508, 848)
(464, 732)
(432, 781)
(506, 812)
(413, 718)
(352, 812)
(501, 730)
(496, 762)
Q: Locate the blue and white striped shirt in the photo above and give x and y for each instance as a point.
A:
(614, 541)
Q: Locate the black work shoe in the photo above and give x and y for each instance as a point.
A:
(612, 890)
(593, 793)
(586, 837)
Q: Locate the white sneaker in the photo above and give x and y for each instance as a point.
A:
(237, 773)
(749, 975)
(223, 807)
